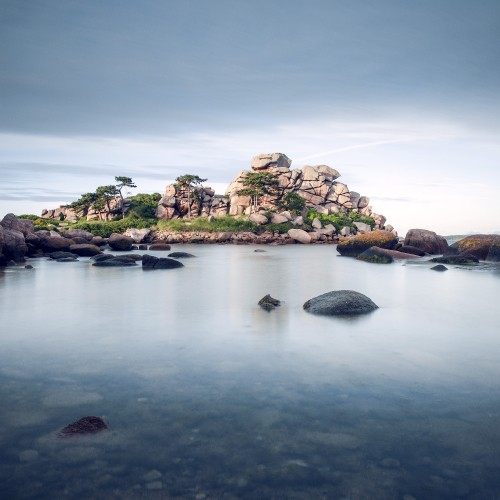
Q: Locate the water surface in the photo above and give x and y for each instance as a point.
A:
(208, 396)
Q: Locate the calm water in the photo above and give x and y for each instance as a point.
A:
(208, 396)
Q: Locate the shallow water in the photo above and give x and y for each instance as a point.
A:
(208, 396)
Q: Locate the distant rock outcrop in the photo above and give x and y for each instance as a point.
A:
(316, 185)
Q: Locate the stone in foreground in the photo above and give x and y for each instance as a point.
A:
(459, 260)
(268, 303)
(86, 425)
(115, 262)
(180, 255)
(340, 303)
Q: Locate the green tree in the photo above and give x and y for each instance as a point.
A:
(292, 201)
(258, 184)
(143, 206)
(187, 182)
(104, 196)
(123, 182)
(84, 203)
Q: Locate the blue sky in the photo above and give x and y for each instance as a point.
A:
(401, 97)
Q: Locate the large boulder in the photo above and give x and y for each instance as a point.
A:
(340, 302)
(10, 221)
(85, 250)
(265, 161)
(355, 245)
(427, 241)
(300, 235)
(258, 219)
(14, 246)
(151, 262)
(120, 242)
(482, 246)
(54, 243)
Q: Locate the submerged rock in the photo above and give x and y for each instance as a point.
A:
(269, 303)
(86, 425)
(62, 255)
(340, 302)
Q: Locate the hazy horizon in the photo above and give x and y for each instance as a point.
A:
(401, 98)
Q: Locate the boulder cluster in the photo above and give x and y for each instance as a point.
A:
(382, 247)
(70, 215)
(316, 185)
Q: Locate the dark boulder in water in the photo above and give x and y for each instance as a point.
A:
(340, 302)
(120, 242)
(152, 262)
(268, 303)
(86, 425)
(439, 267)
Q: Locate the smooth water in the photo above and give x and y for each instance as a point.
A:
(208, 396)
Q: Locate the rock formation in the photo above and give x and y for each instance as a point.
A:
(316, 185)
(202, 201)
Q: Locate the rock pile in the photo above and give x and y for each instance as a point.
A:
(200, 201)
(317, 185)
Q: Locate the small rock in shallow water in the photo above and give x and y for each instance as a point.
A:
(268, 303)
(29, 266)
(86, 425)
(439, 267)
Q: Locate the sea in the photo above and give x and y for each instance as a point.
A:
(208, 396)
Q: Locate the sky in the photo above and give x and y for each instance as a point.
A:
(401, 97)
